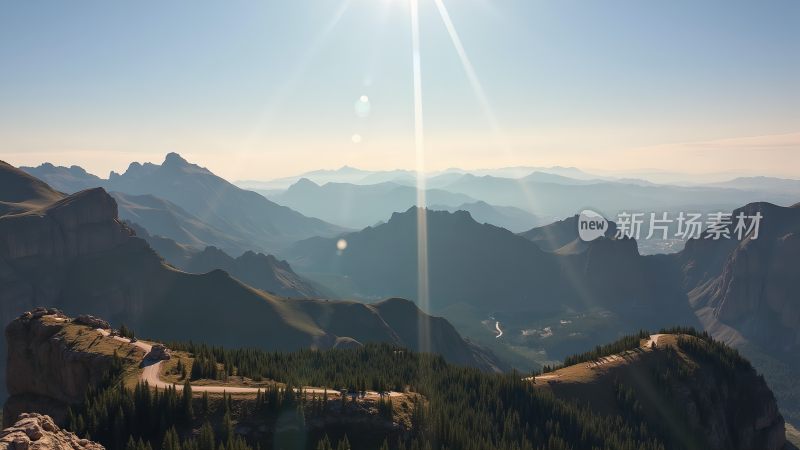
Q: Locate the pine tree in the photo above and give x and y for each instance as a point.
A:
(206, 440)
(227, 428)
(188, 411)
(206, 406)
(324, 443)
(344, 444)
(171, 440)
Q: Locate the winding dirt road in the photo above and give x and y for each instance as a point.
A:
(604, 360)
(152, 371)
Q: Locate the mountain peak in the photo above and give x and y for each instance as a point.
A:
(175, 160)
(304, 183)
(459, 216)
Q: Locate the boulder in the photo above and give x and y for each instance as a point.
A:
(159, 352)
(92, 321)
(39, 432)
(39, 312)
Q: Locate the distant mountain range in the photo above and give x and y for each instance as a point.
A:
(561, 198)
(233, 215)
(352, 175)
(545, 192)
(358, 206)
(73, 252)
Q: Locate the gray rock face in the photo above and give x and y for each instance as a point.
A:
(159, 353)
(74, 226)
(39, 432)
(43, 371)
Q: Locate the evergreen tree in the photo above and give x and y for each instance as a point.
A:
(186, 400)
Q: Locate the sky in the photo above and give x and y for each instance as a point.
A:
(263, 89)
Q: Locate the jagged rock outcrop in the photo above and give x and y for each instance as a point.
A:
(39, 432)
(159, 352)
(92, 321)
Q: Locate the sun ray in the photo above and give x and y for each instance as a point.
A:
(419, 146)
(472, 76)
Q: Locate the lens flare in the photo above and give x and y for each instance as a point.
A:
(363, 107)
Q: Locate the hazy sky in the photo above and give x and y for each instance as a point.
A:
(259, 89)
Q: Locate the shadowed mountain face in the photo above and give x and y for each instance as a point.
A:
(750, 285)
(562, 236)
(258, 270)
(243, 216)
(486, 267)
(76, 255)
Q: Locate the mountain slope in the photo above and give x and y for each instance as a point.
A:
(699, 392)
(260, 271)
(562, 236)
(163, 218)
(257, 270)
(22, 192)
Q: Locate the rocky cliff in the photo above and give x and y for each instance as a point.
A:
(39, 432)
(51, 364)
(754, 287)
